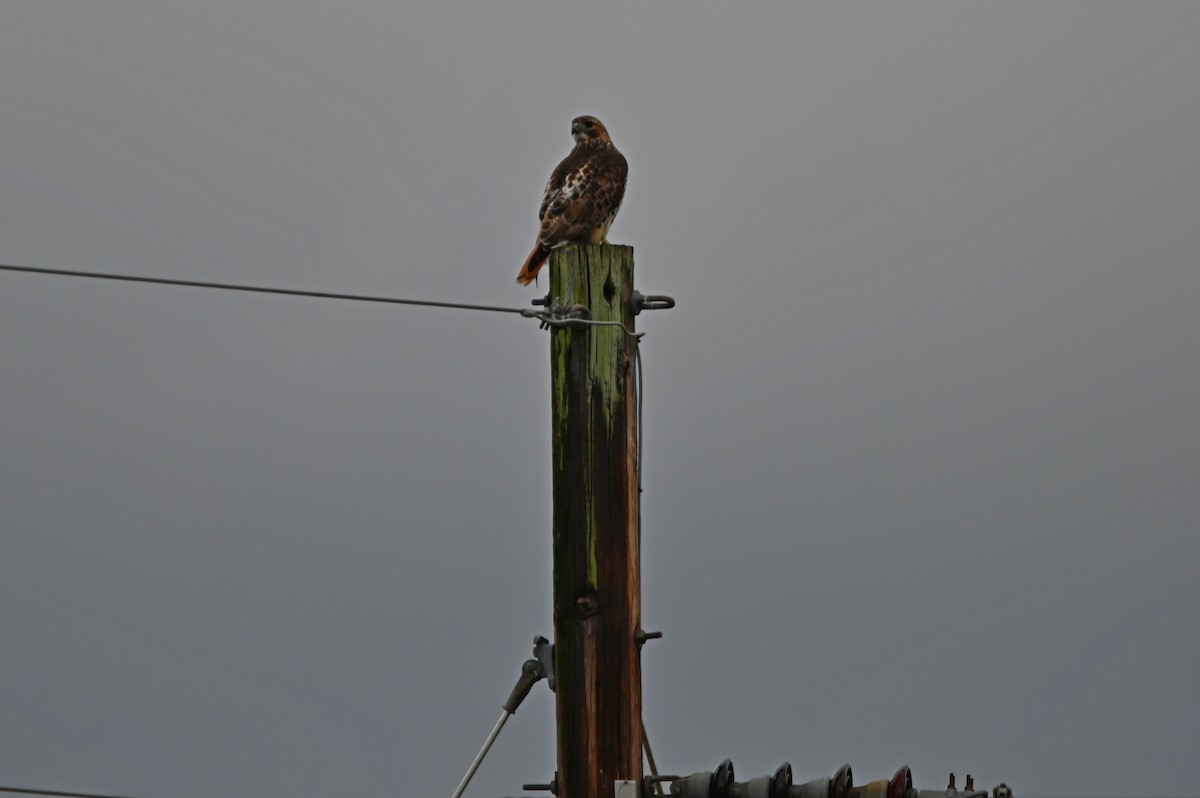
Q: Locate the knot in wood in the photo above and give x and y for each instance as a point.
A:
(588, 604)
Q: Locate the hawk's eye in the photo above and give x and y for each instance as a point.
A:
(589, 124)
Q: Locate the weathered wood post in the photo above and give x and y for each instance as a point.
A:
(597, 564)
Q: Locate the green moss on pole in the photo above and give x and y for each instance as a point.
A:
(597, 569)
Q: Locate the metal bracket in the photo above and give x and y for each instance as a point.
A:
(650, 302)
(652, 784)
(531, 672)
(543, 650)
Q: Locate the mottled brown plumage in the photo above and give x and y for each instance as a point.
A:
(582, 197)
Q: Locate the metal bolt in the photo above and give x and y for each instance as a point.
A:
(642, 302)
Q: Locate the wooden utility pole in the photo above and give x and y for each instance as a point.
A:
(597, 563)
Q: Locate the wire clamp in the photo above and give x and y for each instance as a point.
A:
(558, 315)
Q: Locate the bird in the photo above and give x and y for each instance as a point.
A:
(582, 196)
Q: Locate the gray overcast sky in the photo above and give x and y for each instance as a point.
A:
(922, 440)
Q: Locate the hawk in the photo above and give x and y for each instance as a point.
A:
(582, 197)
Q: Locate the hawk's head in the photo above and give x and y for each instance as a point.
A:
(584, 128)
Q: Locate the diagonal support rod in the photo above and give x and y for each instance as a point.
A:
(531, 672)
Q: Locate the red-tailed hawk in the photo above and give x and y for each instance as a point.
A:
(582, 197)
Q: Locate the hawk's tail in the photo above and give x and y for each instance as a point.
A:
(533, 265)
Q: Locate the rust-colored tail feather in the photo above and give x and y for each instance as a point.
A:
(533, 265)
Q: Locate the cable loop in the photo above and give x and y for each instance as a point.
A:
(575, 317)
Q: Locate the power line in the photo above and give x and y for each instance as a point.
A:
(130, 278)
(59, 793)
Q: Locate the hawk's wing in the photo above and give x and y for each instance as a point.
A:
(583, 195)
